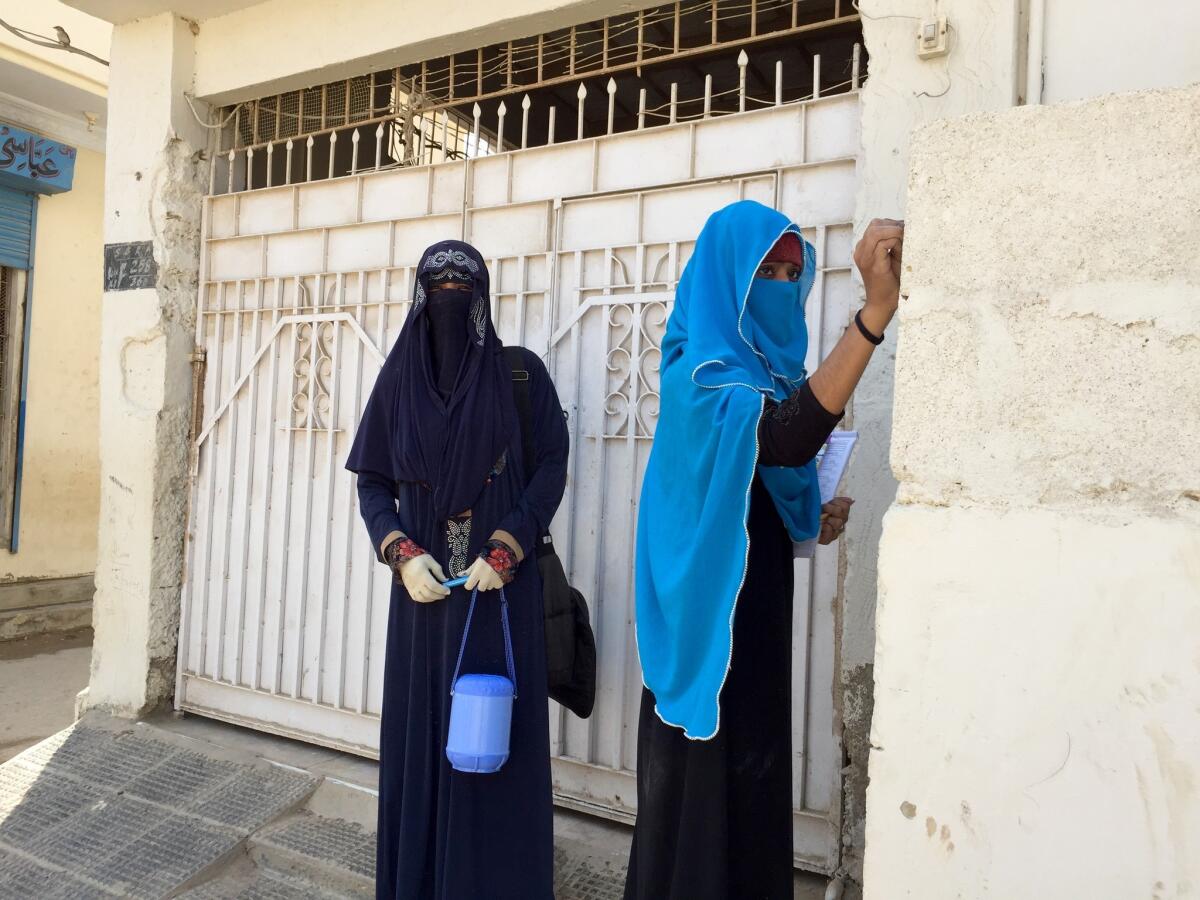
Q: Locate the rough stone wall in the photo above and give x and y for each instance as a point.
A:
(1035, 730)
(154, 180)
(177, 245)
(1077, 323)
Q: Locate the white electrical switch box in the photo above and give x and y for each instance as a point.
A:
(932, 38)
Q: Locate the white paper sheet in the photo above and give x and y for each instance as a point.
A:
(832, 460)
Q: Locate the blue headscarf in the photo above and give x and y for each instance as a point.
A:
(731, 342)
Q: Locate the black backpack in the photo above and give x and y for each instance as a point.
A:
(570, 643)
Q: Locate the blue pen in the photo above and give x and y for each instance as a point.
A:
(455, 582)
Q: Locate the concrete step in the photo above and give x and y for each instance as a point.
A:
(333, 853)
(35, 607)
(246, 879)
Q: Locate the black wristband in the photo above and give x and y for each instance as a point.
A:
(864, 332)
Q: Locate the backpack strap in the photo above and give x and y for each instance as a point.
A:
(521, 396)
(520, 381)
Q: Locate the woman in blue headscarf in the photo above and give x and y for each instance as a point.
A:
(730, 485)
(442, 490)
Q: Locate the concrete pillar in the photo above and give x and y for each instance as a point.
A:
(903, 92)
(153, 189)
(1035, 730)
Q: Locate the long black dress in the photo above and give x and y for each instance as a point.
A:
(715, 817)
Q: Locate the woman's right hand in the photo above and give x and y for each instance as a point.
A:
(879, 256)
(422, 577)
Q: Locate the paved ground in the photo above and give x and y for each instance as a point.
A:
(39, 678)
(186, 807)
(108, 809)
(590, 854)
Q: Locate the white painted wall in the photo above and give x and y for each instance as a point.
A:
(1036, 716)
(1035, 728)
(124, 11)
(1095, 47)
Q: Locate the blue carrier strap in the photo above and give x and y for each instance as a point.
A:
(508, 650)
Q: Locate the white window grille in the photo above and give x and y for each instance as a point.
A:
(672, 63)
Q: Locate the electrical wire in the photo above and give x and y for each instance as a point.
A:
(950, 29)
(944, 92)
(854, 3)
(201, 122)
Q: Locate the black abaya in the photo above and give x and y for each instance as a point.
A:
(715, 817)
(439, 460)
(443, 834)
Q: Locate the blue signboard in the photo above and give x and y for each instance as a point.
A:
(35, 164)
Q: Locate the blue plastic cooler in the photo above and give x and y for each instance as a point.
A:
(481, 708)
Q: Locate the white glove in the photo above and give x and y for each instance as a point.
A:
(423, 577)
(483, 576)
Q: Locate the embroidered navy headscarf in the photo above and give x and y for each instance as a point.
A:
(409, 432)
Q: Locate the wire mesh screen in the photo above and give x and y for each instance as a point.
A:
(671, 63)
(289, 114)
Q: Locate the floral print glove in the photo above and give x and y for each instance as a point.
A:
(495, 567)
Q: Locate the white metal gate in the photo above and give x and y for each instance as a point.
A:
(304, 287)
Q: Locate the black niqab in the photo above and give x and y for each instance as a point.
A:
(448, 310)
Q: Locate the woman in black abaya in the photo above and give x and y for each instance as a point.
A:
(442, 491)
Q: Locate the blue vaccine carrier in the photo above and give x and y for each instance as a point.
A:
(481, 708)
